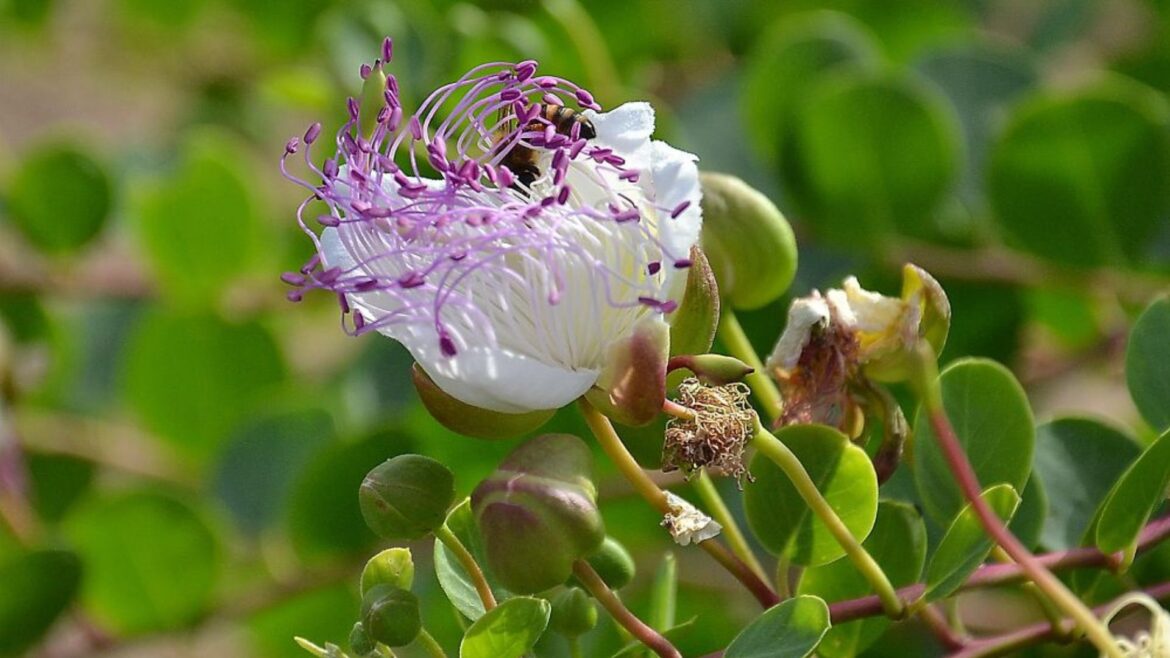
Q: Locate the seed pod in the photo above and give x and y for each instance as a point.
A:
(406, 497)
(573, 613)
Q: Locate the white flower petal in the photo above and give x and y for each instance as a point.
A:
(675, 177)
(804, 314)
(625, 129)
(687, 525)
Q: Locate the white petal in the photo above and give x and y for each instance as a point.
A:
(333, 253)
(625, 129)
(687, 525)
(494, 378)
(804, 314)
(675, 178)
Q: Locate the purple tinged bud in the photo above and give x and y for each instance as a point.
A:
(680, 209)
(387, 49)
(654, 268)
(312, 133)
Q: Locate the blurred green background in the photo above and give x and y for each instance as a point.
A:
(180, 447)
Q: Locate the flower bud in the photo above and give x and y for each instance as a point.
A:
(393, 566)
(632, 385)
(537, 513)
(713, 369)
(573, 613)
(749, 243)
(467, 420)
(360, 642)
(406, 497)
(613, 563)
(693, 323)
(390, 615)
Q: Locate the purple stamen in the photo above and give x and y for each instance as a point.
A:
(679, 209)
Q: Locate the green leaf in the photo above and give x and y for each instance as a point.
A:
(1079, 459)
(60, 198)
(200, 229)
(285, 442)
(1135, 497)
(1028, 521)
(508, 630)
(991, 416)
(870, 154)
(664, 594)
(453, 578)
(191, 378)
(38, 587)
(898, 543)
(965, 544)
(1096, 163)
(151, 561)
(326, 615)
(58, 482)
(1147, 364)
(781, 519)
(786, 64)
(791, 629)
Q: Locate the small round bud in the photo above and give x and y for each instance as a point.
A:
(462, 418)
(537, 514)
(613, 563)
(406, 497)
(573, 613)
(749, 243)
(360, 642)
(390, 615)
(393, 566)
(713, 369)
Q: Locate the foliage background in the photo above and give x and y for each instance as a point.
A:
(189, 444)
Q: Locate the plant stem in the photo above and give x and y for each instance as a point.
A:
(705, 487)
(941, 629)
(444, 534)
(575, 647)
(644, 634)
(968, 482)
(774, 449)
(612, 444)
(432, 647)
(736, 341)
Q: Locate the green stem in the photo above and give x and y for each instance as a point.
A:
(774, 449)
(432, 647)
(612, 444)
(736, 341)
(926, 380)
(613, 605)
(783, 580)
(575, 647)
(444, 534)
(705, 487)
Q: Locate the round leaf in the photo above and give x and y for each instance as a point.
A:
(781, 519)
(993, 421)
(38, 587)
(965, 544)
(60, 198)
(1135, 497)
(898, 543)
(508, 630)
(791, 629)
(1147, 364)
(869, 155)
(453, 578)
(1079, 460)
(151, 562)
(191, 378)
(1096, 164)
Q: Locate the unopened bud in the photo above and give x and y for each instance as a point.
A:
(462, 418)
(390, 615)
(393, 566)
(693, 323)
(573, 613)
(632, 385)
(713, 369)
(360, 642)
(613, 563)
(749, 243)
(406, 497)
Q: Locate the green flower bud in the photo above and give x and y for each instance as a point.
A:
(693, 323)
(406, 497)
(713, 369)
(360, 642)
(393, 566)
(749, 243)
(390, 615)
(467, 420)
(632, 385)
(537, 513)
(573, 613)
(613, 563)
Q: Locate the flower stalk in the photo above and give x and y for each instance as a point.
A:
(613, 605)
(736, 540)
(736, 340)
(467, 561)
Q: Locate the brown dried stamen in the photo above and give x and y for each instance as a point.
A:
(715, 435)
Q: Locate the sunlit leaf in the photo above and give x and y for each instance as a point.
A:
(966, 544)
(60, 198)
(1147, 364)
(791, 629)
(507, 631)
(38, 587)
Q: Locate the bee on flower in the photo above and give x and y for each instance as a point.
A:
(509, 288)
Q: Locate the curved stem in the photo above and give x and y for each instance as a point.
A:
(575, 647)
(736, 341)
(736, 540)
(644, 634)
(444, 534)
(774, 449)
(612, 444)
(968, 482)
(432, 647)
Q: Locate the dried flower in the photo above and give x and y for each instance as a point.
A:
(507, 287)
(1154, 643)
(686, 524)
(716, 432)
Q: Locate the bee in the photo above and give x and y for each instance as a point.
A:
(522, 160)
